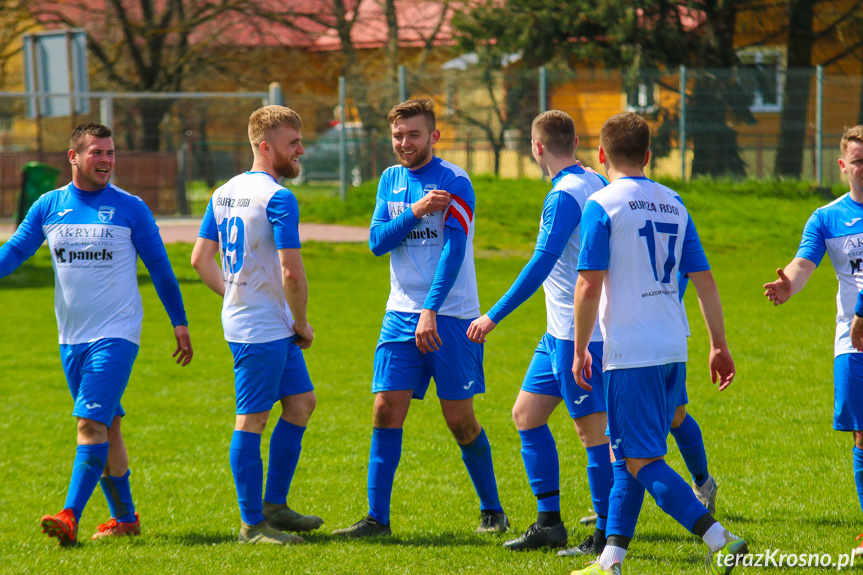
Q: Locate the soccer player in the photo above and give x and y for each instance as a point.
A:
(424, 218)
(837, 229)
(636, 235)
(549, 377)
(252, 223)
(95, 232)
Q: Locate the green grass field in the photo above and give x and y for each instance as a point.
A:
(785, 476)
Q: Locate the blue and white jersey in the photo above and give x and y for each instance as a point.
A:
(414, 261)
(252, 217)
(571, 188)
(95, 239)
(642, 235)
(837, 228)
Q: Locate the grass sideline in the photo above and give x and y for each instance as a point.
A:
(785, 477)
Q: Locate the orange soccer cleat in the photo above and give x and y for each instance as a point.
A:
(63, 526)
(114, 528)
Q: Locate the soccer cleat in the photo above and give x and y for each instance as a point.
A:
(114, 528)
(492, 522)
(858, 550)
(706, 494)
(538, 536)
(365, 527)
(63, 526)
(263, 533)
(596, 569)
(592, 545)
(590, 518)
(718, 563)
(283, 518)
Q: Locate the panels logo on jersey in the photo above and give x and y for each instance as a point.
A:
(106, 214)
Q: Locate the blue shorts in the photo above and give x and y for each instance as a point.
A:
(848, 392)
(550, 373)
(456, 366)
(641, 404)
(98, 373)
(266, 372)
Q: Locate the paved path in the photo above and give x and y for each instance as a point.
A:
(185, 230)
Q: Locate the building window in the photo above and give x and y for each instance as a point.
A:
(640, 96)
(761, 75)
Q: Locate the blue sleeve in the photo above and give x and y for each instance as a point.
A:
(525, 285)
(595, 233)
(209, 227)
(560, 216)
(692, 259)
(451, 258)
(386, 234)
(24, 242)
(858, 309)
(813, 245)
(148, 242)
(283, 211)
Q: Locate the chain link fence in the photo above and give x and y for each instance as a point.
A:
(173, 149)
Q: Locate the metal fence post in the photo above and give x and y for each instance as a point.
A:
(106, 111)
(343, 144)
(819, 124)
(543, 90)
(403, 85)
(683, 124)
(276, 96)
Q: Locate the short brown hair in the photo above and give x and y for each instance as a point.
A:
(625, 138)
(422, 107)
(556, 131)
(853, 133)
(265, 120)
(81, 131)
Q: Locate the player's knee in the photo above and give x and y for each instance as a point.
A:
(858, 439)
(90, 431)
(463, 426)
(679, 416)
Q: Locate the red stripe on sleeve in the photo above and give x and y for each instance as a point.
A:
(457, 215)
(464, 205)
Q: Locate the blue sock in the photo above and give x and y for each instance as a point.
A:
(384, 455)
(248, 470)
(477, 458)
(672, 493)
(600, 477)
(285, 446)
(624, 502)
(86, 471)
(858, 473)
(539, 452)
(691, 446)
(119, 495)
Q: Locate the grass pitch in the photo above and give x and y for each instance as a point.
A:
(785, 477)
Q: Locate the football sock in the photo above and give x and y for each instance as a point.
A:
(671, 493)
(539, 452)
(858, 473)
(624, 502)
(600, 478)
(285, 447)
(119, 495)
(548, 518)
(477, 458)
(715, 537)
(86, 471)
(384, 455)
(248, 470)
(691, 445)
(611, 555)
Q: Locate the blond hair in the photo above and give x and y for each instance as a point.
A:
(853, 133)
(411, 108)
(556, 131)
(264, 120)
(625, 138)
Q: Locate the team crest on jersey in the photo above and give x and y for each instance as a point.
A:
(106, 214)
(429, 187)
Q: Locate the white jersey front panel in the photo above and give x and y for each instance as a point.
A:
(838, 229)
(642, 318)
(254, 309)
(559, 286)
(414, 262)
